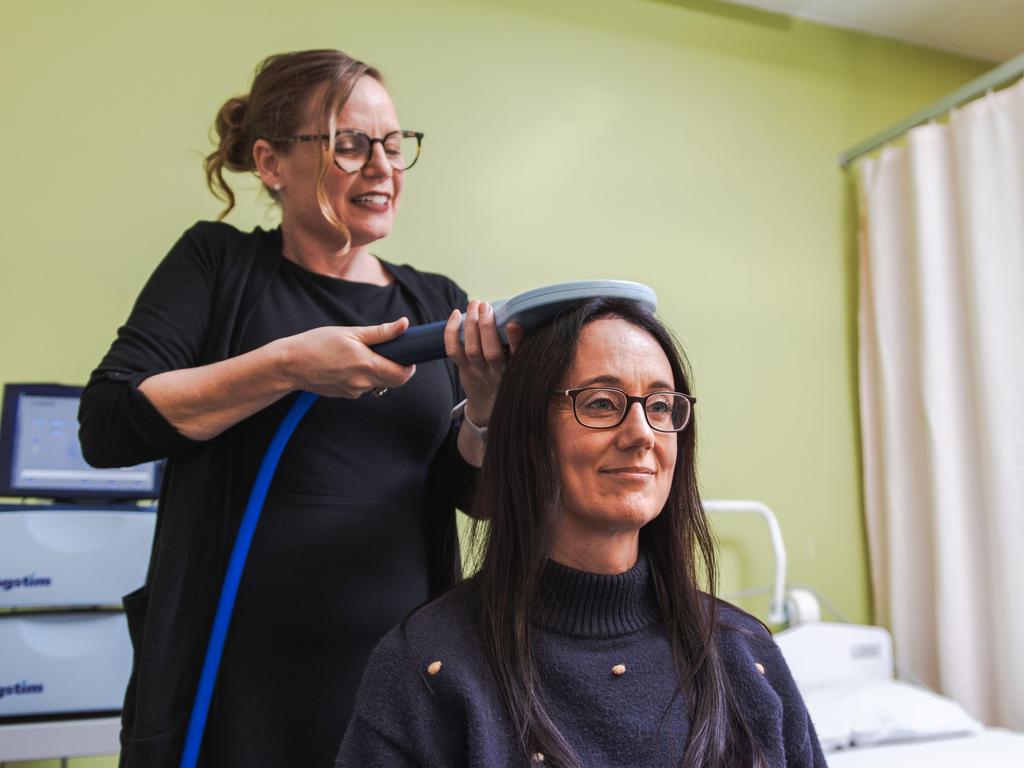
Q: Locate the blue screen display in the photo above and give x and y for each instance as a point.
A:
(47, 459)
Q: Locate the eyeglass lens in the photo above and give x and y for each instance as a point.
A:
(602, 408)
(352, 150)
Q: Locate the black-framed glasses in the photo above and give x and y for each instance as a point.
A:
(606, 407)
(353, 149)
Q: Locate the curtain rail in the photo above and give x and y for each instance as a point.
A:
(1004, 73)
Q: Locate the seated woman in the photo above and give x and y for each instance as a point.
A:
(585, 640)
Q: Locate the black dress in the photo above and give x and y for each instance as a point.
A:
(359, 525)
(339, 556)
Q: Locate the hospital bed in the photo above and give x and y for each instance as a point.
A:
(863, 714)
(866, 717)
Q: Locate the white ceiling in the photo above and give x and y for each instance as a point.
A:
(985, 29)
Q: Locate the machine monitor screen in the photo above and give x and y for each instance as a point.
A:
(40, 455)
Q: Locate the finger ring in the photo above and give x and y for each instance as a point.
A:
(378, 391)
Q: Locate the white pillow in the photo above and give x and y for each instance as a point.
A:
(881, 711)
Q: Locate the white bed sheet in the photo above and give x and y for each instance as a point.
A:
(994, 748)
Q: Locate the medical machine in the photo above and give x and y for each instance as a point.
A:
(76, 542)
(423, 343)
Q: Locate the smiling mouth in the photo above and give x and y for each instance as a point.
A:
(376, 199)
(629, 472)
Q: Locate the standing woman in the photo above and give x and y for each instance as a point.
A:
(358, 527)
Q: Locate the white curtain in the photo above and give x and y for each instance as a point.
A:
(942, 400)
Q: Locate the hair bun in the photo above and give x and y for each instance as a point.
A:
(233, 111)
(230, 126)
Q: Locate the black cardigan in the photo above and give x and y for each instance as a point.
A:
(429, 699)
(192, 312)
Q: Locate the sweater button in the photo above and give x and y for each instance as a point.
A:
(619, 669)
(434, 668)
(759, 667)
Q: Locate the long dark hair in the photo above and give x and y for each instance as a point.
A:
(518, 498)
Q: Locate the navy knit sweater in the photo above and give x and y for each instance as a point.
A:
(428, 697)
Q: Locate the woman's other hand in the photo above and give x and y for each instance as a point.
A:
(337, 361)
(481, 359)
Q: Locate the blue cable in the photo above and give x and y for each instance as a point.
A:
(229, 589)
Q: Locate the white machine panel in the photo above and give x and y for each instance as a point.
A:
(72, 557)
(821, 654)
(63, 663)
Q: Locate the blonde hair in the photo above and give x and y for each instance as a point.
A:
(274, 108)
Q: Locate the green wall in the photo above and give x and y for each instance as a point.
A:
(688, 144)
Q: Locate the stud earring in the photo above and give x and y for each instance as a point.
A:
(277, 187)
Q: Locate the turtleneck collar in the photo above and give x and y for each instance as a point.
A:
(595, 605)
